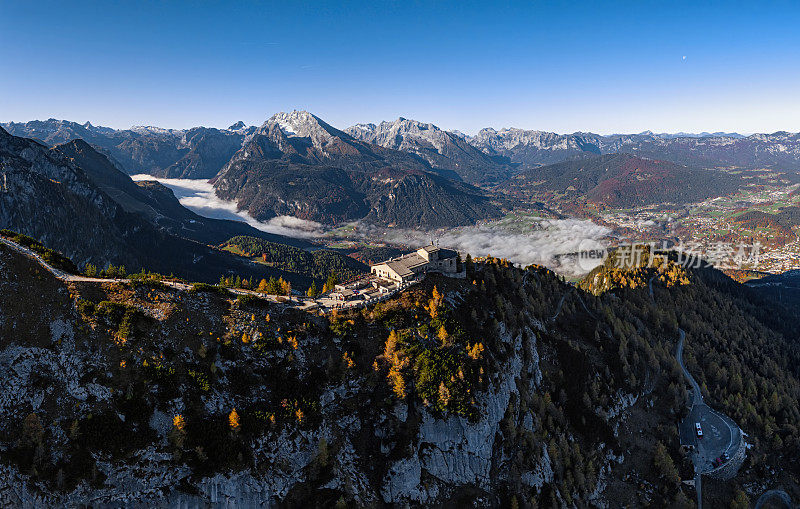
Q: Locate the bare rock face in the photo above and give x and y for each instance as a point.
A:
(296, 164)
(196, 153)
(454, 451)
(531, 148)
(441, 149)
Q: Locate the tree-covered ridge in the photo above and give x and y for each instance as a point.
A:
(595, 390)
(590, 357)
(51, 256)
(623, 180)
(634, 266)
(743, 350)
(317, 265)
(741, 347)
(783, 220)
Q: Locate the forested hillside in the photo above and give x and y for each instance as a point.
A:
(413, 400)
(317, 264)
(623, 180)
(741, 346)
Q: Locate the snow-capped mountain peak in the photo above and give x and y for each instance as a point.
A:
(153, 130)
(301, 124)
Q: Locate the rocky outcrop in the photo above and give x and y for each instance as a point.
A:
(779, 150)
(48, 196)
(441, 149)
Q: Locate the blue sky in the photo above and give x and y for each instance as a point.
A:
(558, 66)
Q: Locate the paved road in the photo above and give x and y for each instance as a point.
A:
(697, 396)
(558, 308)
(720, 433)
(773, 495)
(698, 486)
(301, 303)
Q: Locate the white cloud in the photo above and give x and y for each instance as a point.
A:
(199, 196)
(543, 245)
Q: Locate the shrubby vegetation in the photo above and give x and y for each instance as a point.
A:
(435, 347)
(52, 257)
(318, 264)
(633, 268)
(204, 287)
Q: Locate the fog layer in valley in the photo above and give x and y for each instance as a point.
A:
(198, 196)
(546, 240)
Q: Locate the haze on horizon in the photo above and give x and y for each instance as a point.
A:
(563, 67)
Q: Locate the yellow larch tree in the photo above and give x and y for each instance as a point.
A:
(233, 420)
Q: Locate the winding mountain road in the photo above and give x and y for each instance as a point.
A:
(720, 434)
(779, 495)
(558, 307)
(697, 395)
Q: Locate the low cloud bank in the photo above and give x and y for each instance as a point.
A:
(199, 197)
(543, 245)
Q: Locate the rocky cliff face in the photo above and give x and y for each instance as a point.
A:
(45, 194)
(296, 164)
(780, 150)
(120, 395)
(441, 149)
(199, 152)
(506, 387)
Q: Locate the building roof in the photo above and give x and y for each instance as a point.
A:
(404, 266)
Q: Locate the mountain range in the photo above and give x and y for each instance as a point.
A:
(407, 173)
(293, 164)
(186, 153)
(441, 149)
(296, 164)
(503, 387)
(72, 198)
(780, 150)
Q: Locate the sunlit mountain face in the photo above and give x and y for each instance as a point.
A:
(399, 255)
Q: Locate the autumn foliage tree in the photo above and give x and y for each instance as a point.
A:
(434, 303)
(475, 351)
(397, 363)
(233, 420)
